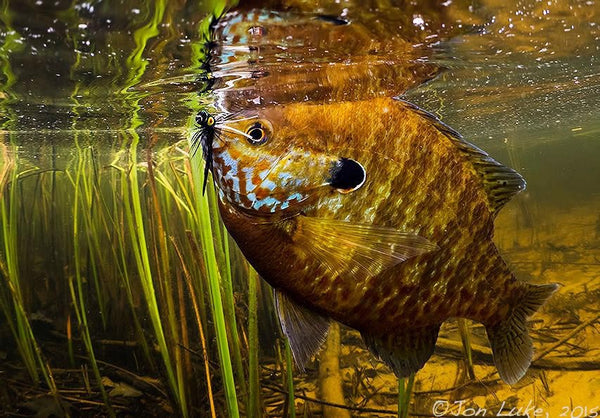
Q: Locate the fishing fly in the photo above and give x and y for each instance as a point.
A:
(210, 128)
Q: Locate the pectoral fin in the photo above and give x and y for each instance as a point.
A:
(358, 250)
(404, 353)
(305, 329)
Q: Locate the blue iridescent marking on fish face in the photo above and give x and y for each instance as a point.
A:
(232, 173)
(270, 202)
(296, 196)
(227, 56)
(268, 184)
(248, 175)
(284, 176)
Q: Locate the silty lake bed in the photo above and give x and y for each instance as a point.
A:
(110, 296)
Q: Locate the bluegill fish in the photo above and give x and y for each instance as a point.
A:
(374, 214)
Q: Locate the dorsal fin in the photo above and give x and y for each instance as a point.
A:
(500, 182)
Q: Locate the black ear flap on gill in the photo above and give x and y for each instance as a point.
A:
(346, 175)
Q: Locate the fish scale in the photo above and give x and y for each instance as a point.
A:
(404, 246)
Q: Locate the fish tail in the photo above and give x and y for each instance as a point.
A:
(511, 344)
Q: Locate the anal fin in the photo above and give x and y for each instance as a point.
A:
(405, 352)
(306, 330)
(510, 340)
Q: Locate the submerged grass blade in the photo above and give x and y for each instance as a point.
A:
(176, 323)
(405, 387)
(214, 286)
(289, 370)
(135, 222)
(254, 408)
(465, 336)
(222, 248)
(11, 294)
(80, 206)
(199, 321)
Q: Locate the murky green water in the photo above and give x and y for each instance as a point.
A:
(101, 221)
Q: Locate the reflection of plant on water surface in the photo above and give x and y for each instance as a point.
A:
(119, 293)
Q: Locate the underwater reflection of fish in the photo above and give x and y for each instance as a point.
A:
(377, 215)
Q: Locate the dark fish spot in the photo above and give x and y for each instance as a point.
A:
(346, 174)
(345, 294)
(333, 19)
(465, 296)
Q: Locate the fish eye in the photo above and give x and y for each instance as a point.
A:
(257, 133)
(204, 118)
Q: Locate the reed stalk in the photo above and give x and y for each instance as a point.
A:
(254, 407)
(221, 237)
(289, 371)
(12, 300)
(214, 286)
(176, 324)
(134, 217)
(465, 336)
(199, 321)
(405, 387)
(115, 229)
(81, 205)
(161, 306)
(214, 246)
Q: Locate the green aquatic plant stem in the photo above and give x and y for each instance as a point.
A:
(199, 322)
(135, 221)
(222, 247)
(8, 216)
(253, 371)
(169, 337)
(26, 342)
(214, 286)
(118, 235)
(289, 370)
(405, 387)
(465, 336)
(81, 204)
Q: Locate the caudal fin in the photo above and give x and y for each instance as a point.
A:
(510, 341)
